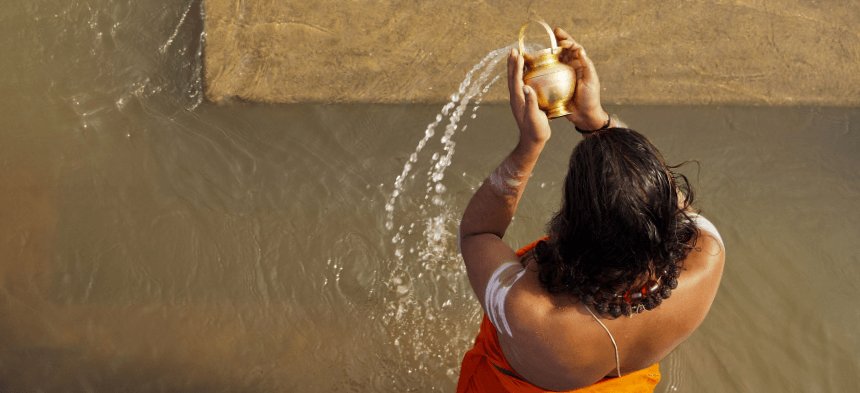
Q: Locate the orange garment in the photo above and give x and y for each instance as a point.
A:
(485, 369)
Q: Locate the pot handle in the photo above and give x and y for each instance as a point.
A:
(553, 42)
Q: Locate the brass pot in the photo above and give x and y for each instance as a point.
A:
(553, 81)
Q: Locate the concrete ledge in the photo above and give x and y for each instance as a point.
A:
(698, 52)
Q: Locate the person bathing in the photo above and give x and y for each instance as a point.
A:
(627, 271)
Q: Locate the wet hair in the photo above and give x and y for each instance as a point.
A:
(621, 230)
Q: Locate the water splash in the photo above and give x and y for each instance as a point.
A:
(470, 92)
(426, 291)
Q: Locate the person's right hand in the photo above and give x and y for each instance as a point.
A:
(586, 112)
(532, 122)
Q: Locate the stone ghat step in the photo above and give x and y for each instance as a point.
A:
(744, 52)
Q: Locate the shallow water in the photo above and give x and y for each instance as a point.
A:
(154, 242)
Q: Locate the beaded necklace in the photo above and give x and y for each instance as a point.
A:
(631, 302)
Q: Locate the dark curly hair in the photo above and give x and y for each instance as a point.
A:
(621, 234)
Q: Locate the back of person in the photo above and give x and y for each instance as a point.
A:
(627, 271)
(553, 335)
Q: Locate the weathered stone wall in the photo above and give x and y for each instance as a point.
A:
(779, 52)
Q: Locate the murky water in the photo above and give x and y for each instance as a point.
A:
(154, 242)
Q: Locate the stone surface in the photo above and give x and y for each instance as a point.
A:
(692, 52)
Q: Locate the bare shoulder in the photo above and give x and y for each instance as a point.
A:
(699, 280)
(709, 251)
(709, 248)
(555, 344)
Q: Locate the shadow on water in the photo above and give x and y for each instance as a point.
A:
(155, 242)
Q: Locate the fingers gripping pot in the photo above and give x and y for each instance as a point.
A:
(553, 81)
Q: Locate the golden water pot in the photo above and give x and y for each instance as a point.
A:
(553, 81)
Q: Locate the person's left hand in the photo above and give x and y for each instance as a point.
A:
(532, 122)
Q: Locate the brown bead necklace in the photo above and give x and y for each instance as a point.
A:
(632, 301)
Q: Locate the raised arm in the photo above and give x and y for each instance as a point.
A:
(490, 210)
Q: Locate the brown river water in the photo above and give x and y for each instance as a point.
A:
(151, 241)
